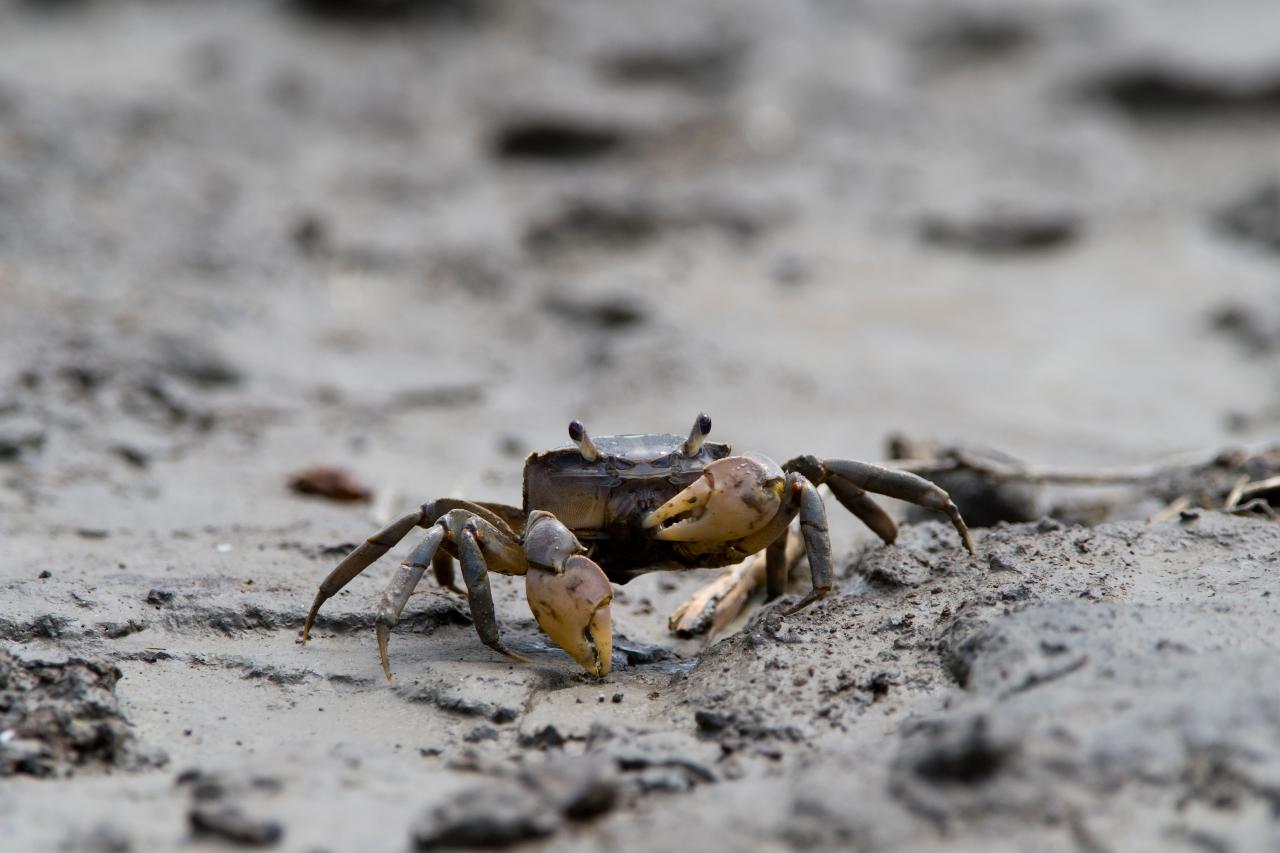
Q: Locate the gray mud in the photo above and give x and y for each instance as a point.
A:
(239, 240)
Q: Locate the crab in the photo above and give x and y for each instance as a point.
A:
(602, 511)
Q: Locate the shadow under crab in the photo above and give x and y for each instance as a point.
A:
(605, 510)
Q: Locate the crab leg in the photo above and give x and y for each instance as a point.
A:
(476, 575)
(401, 587)
(779, 559)
(861, 504)
(360, 559)
(849, 477)
(442, 570)
(817, 542)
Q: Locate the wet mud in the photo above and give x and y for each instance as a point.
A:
(279, 272)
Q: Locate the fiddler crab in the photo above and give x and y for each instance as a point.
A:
(604, 510)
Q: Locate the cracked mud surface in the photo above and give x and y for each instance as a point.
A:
(414, 239)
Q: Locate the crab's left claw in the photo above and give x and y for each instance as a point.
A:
(734, 497)
(572, 607)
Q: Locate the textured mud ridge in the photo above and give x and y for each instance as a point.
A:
(60, 717)
(1076, 688)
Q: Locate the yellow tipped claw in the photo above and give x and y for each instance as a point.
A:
(733, 498)
(572, 608)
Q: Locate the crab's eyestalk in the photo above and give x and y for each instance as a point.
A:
(578, 433)
(701, 428)
(733, 498)
(572, 608)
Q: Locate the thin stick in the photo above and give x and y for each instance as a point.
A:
(1259, 486)
(1013, 472)
(1233, 496)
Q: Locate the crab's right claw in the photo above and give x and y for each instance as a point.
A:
(734, 497)
(572, 607)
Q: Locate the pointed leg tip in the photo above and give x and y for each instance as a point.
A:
(813, 596)
(386, 669)
(383, 633)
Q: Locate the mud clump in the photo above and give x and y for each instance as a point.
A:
(976, 37)
(361, 13)
(217, 813)
(698, 69)
(1255, 218)
(606, 224)
(605, 312)
(489, 818)
(1160, 91)
(509, 811)
(16, 442)
(557, 140)
(1251, 328)
(329, 481)
(56, 717)
(958, 755)
(228, 823)
(1002, 232)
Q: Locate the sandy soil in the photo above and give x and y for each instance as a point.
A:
(417, 238)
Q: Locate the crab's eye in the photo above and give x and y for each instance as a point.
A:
(701, 427)
(578, 434)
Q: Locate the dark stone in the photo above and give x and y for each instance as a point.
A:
(1161, 91)
(547, 737)
(230, 824)
(160, 597)
(1003, 232)
(555, 140)
(711, 722)
(606, 313)
(1255, 217)
(701, 69)
(959, 754)
(495, 815)
(480, 733)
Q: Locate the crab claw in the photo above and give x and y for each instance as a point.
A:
(733, 498)
(572, 607)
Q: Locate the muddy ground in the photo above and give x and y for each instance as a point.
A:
(416, 238)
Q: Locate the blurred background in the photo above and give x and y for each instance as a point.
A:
(412, 240)
(418, 237)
